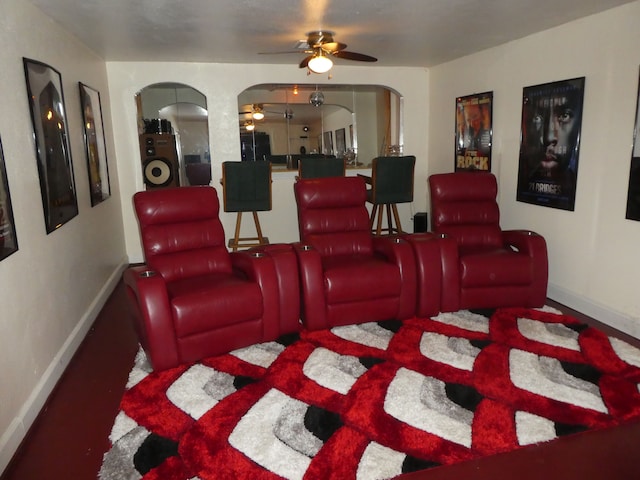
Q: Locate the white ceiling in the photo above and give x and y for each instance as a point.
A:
(419, 33)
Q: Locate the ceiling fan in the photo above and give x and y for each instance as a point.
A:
(320, 47)
(258, 111)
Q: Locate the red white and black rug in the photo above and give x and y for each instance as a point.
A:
(376, 400)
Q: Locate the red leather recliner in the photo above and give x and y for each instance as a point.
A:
(347, 276)
(193, 298)
(482, 265)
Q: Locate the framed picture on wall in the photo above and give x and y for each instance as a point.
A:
(633, 194)
(8, 239)
(327, 143)
(95, 147)
(474, 132)
(550, 143)
(341, 146)
(53, 152)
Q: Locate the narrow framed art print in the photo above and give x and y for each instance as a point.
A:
(95, 147)
(474, 132)
(8, 239)
(53, 152)
(633, 192)
(341, 144)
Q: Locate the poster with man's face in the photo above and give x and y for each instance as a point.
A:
(549, 143)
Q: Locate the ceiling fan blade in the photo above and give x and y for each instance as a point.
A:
(359, 57)
(305, 62)
(333, 47)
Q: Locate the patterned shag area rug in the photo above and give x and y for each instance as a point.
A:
(375, 400)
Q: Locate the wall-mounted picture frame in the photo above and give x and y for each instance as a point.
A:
(326, 143)
(633, 193)
(550, 143)
(341, 142)
(474, 132)
(53, 151)
(8, 238)
(95, 146)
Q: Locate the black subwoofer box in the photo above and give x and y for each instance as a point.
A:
(420, 222)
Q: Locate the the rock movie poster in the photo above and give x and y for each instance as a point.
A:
(549, 143)
(474, 132)
(633, 195)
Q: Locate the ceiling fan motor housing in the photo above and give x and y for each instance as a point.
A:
(317, 38)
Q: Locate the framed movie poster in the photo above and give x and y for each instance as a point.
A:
(94, 141)
(55, 168)
(341, 142)
(8, 239)
(633, 195)
(550, 143)
(474, 132)
(327, 143)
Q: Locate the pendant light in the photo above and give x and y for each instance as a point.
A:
(320, 63)
(258, 113)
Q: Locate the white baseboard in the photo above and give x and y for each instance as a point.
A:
(602, 313)
(17, 430)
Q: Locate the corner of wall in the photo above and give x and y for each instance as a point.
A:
(596, 310)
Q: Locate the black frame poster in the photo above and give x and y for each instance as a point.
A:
(55, 167)
(550, 143)
(633, 194)
(94, 140)
(8, 239)
(474, 132)
(341, 144)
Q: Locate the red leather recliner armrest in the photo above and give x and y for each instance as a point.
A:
(535, 246)
(426, 249)
(314, 312)
(147, 291)
(450, 262)
(259, 267)
(287, 272)
(526, 241)
(400, 252)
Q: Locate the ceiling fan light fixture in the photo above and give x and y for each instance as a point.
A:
(320, 63)
(249, 126)
(257, 114)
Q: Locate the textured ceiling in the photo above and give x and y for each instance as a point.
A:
(418, 33)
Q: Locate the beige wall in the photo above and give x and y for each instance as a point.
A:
(54, 285)
(593, 252)
(221, 85)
